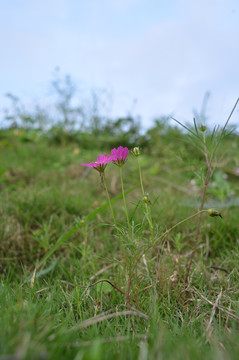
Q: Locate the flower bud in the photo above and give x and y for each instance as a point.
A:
(136, 151)
(80, 221)
(146, 199)
(203, 128)
(213, 212)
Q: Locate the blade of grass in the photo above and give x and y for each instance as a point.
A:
(45, 271)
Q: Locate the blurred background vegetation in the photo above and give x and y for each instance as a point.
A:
(79, 119)
(84, 120)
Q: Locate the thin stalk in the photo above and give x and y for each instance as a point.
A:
(179, 223)
(84, 246)
(140, 177)
(113, 215)
(224, 127)
(147, 206)
(207, 178)
(122, 186)
(152, 245)
(108, 197)
(229, 117)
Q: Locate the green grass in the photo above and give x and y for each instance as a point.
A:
(45, 193)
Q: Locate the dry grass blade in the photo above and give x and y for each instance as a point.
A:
(101, 271)
(100, 318)
(215, 306)
(33, 278)
(229, 313)
(44, 289)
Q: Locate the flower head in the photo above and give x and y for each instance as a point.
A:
(100, 164)
(119, 155)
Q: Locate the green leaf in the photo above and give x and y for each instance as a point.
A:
(104, 287)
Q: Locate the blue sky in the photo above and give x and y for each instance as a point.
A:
(156, 57)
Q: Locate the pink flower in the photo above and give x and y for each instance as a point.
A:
(118, 156)
(100, 164)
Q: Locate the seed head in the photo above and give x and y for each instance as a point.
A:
(213, 213)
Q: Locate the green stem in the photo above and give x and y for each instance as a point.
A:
(206, 181)
(122, 185)
(108, 197)
(84, 246)
(140, 177)
(147, 206)
(150, 220)
(113, 215)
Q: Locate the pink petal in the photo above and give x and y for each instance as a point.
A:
(88, 165)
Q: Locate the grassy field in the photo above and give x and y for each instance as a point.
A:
(76, 286)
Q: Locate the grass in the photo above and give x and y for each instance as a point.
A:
(51, 312)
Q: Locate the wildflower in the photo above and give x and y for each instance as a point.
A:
(100, 164)
(118, 156)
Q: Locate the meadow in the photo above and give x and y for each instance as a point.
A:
(157, 280)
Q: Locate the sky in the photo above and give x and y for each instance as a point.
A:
(155, 57)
